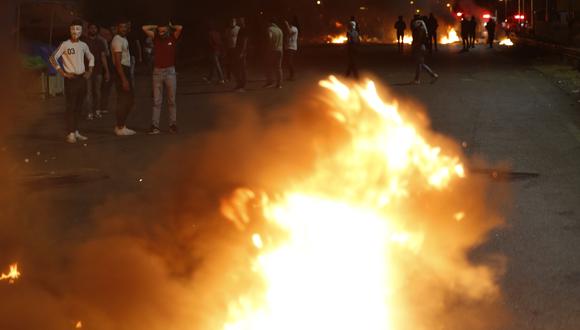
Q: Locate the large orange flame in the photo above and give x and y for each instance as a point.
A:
(334, 260)
(450, 38)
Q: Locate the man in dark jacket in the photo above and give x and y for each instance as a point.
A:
(490, 27)
(400, 26)
(432, 26)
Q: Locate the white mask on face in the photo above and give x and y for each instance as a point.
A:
(76, 31)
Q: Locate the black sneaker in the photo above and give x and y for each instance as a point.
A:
(173, 129)
(153, 130)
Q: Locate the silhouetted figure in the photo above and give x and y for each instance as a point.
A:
(216, 50)
(420, 36)
(490, 27)
(432, 26)
(400, 27)
(353, 40)
(472, 31)
(240, 56)
(465, 26)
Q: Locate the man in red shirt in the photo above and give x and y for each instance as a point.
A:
(164, 47)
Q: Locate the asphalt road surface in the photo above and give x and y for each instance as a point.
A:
(494, 101)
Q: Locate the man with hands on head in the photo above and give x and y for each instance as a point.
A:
(73, 53)
(164, 38)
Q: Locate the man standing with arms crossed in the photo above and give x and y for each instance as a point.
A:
(164, 46)
(125, 89)
(73, 53)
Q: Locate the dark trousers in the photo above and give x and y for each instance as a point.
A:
(465, 40)
(289, 60)
(241, 72)
(75, 90)
(107, 88)
(433, 40)
(125, 99)
(274, 67)
(230, 66)
(351, 67)
(490, 38)
(400, 40)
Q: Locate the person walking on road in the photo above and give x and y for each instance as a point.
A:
(215, 55)
(124, 86)
(274, 56)
(352, 44)
(400, 27)
(291, 46)
(98, 48)
(420, 36)
(240, 56)
(490, 27)
(73, 53)
(432, 26)
(165, 39)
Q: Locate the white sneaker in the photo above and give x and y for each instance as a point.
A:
(71, 138)
(98, 114)
(90, 116)
(80, 137)
(124, 131)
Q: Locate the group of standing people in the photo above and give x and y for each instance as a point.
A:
(431, 25)
(468, 33)
(231, 50)
(91, 64)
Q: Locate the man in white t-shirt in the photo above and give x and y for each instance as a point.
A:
(231, 42)
(73, 53)
(125, 89)
(291, 46)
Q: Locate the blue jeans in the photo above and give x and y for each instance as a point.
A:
(167, 78)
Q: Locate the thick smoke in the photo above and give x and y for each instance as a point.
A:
(165, 258)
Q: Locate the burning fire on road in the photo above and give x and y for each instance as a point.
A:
(506, 42)
(376, 237)
(449, 38)
(12, 275)
(340, 39)
(349, 213)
